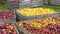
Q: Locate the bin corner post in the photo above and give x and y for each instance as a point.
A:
(48, 2)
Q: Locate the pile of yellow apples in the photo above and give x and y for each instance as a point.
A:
(35, 11)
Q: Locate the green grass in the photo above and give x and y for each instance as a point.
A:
(56, 8)
(3, 7)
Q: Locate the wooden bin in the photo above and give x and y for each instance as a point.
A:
(36, 3)
(25, 4)
(55, 2)
(13, 4)
(45, 1)
(57, 15)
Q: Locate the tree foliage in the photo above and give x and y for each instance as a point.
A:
(3, 2)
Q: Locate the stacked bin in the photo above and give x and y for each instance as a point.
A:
(37, 3)
(13, 4)
(30, 3)
(55, 2)
(45, 1)
(5, 18)
(25, 4)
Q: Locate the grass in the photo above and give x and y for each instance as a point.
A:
(56, 8)
(3, 7)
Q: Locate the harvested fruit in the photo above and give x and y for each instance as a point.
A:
(42, 26)
(35, 11)
(7, 28)
(51, 29)
(6, 14)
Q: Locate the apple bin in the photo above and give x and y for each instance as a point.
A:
(7, 16)
(8, 28)
(32, 13)
(47, 25)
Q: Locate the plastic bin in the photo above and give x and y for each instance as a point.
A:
(57, 15)
(9, 20)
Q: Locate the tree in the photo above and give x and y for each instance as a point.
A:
(3, 2)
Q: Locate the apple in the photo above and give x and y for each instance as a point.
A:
(7, 28)
(14, 31)
(4, 14)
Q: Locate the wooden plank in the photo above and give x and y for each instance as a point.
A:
(39, 3)
(45, 2)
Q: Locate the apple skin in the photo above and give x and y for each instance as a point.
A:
(6, 14)
(0, 26)
(48, 29)
(0, 32)
(14, 31)
(52, 27)
(9, 30)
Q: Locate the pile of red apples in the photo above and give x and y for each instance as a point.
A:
(7, 28)
(6, 14)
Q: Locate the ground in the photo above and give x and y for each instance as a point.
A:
(56, 8)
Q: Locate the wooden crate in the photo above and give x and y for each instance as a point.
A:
(57, 2)
(53, 2)
(24, 4)
(45, 1)
(13, 4)
(36, 3)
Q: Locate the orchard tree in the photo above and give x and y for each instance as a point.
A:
(3, 2)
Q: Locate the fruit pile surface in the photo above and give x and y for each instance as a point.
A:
(42, 26)
(6, 14)
(7, 28)
(35, 11)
